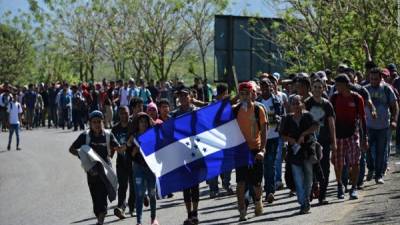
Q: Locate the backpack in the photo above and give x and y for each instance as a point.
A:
(276, 102)
(108, 135)
(257, 106)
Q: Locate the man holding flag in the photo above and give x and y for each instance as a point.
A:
(191, 195)
(199, 144)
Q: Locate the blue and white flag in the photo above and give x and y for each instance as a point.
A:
(197, 146)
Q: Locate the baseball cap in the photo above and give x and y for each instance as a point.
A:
(96, 114)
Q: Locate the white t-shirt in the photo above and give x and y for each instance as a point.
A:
(123, 96)
(272, 123)
(14, 109)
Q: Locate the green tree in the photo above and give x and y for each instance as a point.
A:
(16, 54)
(163, 34)
(320, 34)
(199, 18)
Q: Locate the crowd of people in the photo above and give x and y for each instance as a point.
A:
(304, 122)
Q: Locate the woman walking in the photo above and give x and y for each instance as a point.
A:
(298, 129)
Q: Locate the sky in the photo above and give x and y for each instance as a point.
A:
(263, 8)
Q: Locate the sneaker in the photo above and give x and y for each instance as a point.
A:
(188, 221)
(305, 209)
(18, 148)
(279, 186)
(270, 198)
(119, 213)
(154, 222)
(379, 181)
(323, 202)
(353, 194)
(229, 191)
(340, 193)
(8, 148)
(243, 215)
(213, 194)
(132, 213)
(370, 175)
(194, 220)
(259, 208)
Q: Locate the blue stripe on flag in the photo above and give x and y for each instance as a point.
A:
(186, 125)
(205, 168)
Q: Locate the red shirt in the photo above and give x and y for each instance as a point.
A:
(349, 110)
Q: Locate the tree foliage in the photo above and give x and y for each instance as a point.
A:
(77, 39)
(16, 53)
(320, 34)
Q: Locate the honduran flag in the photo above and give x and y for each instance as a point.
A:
(197, 146)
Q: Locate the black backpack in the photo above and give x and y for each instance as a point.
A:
(257, 106)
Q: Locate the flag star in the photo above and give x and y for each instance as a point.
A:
(193, 154)
(204, 149)
(198, 139)
(187, 143)
(196, 147)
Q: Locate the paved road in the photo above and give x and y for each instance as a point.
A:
(43, 184)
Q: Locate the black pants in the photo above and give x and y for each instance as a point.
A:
(99, 194)
(125, 178)
(77, 119)
(191, 194)
(52, 116)
(325, 166)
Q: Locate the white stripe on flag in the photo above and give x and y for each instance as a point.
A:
(183, 151)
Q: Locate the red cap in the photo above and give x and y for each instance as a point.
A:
(246, 85)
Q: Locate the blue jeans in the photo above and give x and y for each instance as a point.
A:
(13, 127)
(278, 162)
(226, 182)
(377, 140)
(269, 165)
(144, 180)
(303, 179)
(388, 149)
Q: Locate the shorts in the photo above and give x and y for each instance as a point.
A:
(252, 174)
(348, 152)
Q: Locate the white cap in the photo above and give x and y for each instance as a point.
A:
(276, 75)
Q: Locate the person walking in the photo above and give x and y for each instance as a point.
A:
(103, 144)
(274, 110)
(14, 110)
(124, 165)
(143, 177)
(252, 121)
(298, 129)
(385, 102)
(350, 116)
(322, 111)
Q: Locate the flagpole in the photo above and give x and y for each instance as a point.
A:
(235, 79)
